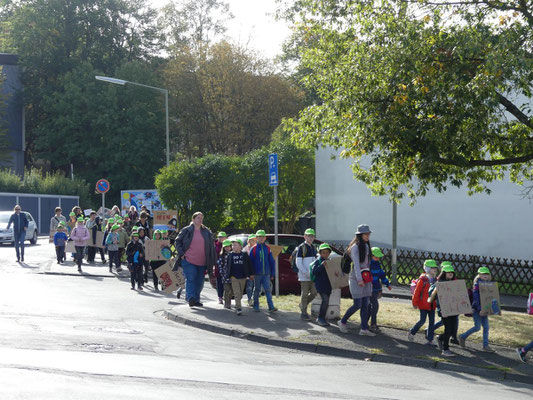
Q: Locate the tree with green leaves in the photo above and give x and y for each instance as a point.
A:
(419, 94)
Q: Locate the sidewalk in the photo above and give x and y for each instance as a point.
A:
(285, 329)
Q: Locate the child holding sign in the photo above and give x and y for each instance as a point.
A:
(447, 274)
(480, 316)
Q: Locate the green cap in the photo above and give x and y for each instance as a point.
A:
(310, 232)
(136, 228)
(260, 232)
(448, 267)
(222, 234)
(237, 241)
(226, 242)
(430, 264)
(157, 231)
(115, 227)
(111, 220)
(81, 219)
(134, 234)
(376, 252)
(252, 236)
(60, 226)
(483, 270)
(324, 246)
(72, 214)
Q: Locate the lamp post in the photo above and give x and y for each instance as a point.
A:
(165, 91)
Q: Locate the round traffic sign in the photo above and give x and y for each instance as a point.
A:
(102, 186)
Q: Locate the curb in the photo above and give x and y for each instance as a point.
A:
(352, 354)
(409, 297)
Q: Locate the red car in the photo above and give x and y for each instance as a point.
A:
(288, 282)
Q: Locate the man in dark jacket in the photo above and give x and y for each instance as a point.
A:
(20, 225)
(196, 250)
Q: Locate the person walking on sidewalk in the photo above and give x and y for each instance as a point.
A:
(222, 268)
(80, 235)
(447, 274)
(360, 279)
(454, 339)
(20, 225)
(56, 219)
(420, 301)
(111, 242)
(480, 317)
(251, 242)
(94, 225)
(239, 269)
(264, 269)
(305, 255)
(522, 351)
(319, 276)
(195, 246)
(135, 255)
(378, 278)
(221, 237)
(60, 241)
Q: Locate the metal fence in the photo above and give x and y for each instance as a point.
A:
(515, 277)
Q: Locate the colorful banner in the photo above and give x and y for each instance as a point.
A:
(139, 198)
(164, 218)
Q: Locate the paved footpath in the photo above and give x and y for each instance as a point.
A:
(285, 329)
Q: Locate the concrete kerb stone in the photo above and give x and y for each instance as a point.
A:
(346, 353)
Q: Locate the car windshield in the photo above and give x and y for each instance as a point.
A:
(4, 219)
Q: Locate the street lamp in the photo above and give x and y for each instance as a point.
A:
(165, 91)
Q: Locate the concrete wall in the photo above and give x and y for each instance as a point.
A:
(499, 224)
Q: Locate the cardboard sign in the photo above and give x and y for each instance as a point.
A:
(453, 298)
(490, 298)
(337, 278)
(170, 280)
(163, 217)
(99, 240)
(87, 212)
(276, 250)
(153, 249)
(70, 248)
(530, 304)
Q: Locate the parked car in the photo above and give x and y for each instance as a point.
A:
(6, 235)
(288, 282)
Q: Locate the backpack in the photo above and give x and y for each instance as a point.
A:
(294, 254)
(414, 282)
(346, 262)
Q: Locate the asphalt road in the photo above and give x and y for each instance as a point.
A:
(82, 337)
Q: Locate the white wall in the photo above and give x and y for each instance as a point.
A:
(499, 224)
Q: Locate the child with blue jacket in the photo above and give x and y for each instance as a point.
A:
(60, 240)
(264, 269)
(323, 286)
(378, 277)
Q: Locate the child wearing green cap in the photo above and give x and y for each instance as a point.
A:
(222, 264)
(480, 316)
(112, 248)
(319, 276)
(135, 255)
(378, 278)
(238, 270)
(60, 240)
(454, 339)
(221, 237)
(80, 234)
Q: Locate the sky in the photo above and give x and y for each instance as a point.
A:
(254, 25)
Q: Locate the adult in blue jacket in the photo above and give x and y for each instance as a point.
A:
(20, 225)
(264, 269)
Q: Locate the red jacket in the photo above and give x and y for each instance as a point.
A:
(420, 297)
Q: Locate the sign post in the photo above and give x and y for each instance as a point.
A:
(273, 180)
(102, 186)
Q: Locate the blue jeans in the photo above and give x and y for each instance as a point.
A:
(423, 315)
(479, 321)
(194, 280)
(358, 304)
(19, 243)
(262, 280)
(527, 347)
(249, 288)
(323, 305)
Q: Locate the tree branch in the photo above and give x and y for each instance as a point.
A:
(486, 163)
(514, 110)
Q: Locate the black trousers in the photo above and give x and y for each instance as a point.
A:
(113, 258)
(450, 327)
(323, 305)
(60, 253)
(80, 250)
(136, 274)
(120, 253)
(155, 265)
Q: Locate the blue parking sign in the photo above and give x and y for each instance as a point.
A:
(273, 178)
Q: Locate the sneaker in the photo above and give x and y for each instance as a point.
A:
(366, 332)
(192, 302)
(239, 311)
(198, 304)
(220, 301)
(228, 307)
(426, 333)
(375, 329)
(110, 270)
(428, 343)
(342, 327)
(322, 322)
(488, 349)
(454, 341)
(410, 337)
(251, 302)
(132, 288)
(58, 262)
(521, 355)
(178, 294)
(22, 259)
(79, 270)
(305, 317)
(119, 269)
(272, 310)
(104, 261)
(141, 288)
(447, 353)
(462, 342)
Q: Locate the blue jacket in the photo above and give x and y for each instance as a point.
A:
(378, 276)
(262, 260)
(60, 236)
(19, 222)
(322, 283)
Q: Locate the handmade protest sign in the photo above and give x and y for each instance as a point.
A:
(153, 249)
(70, 248)
(453, 298)
(99, 240)
(170, 280)
(162, 218)
(490, 298)
(337, 278)
(276, 250)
